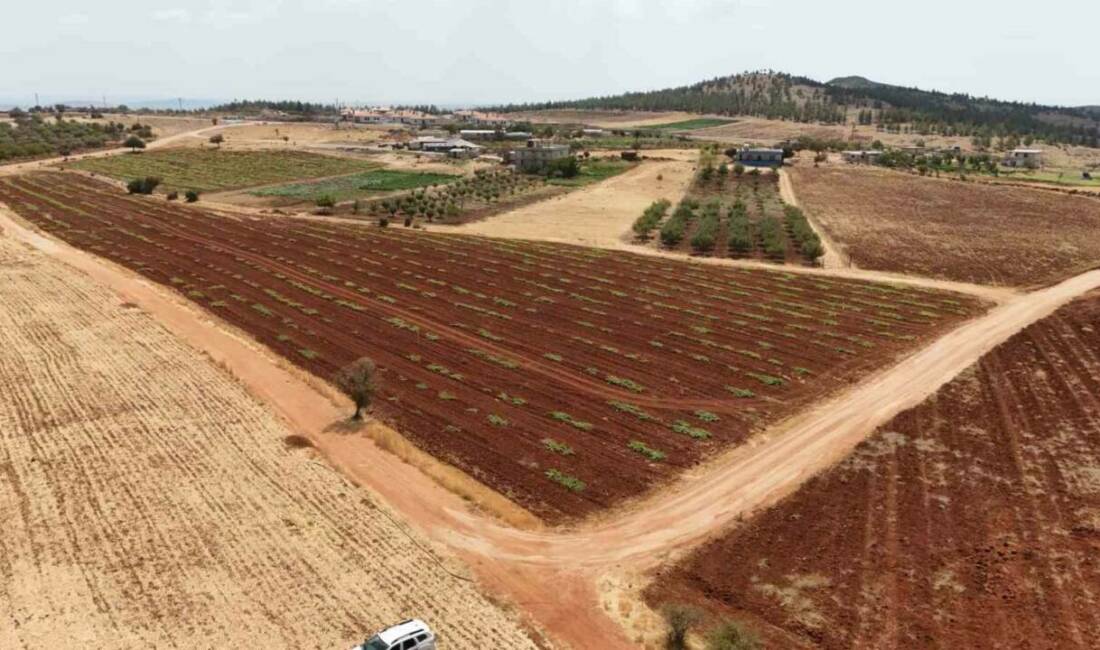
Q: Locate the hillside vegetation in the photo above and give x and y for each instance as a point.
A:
(782, 96)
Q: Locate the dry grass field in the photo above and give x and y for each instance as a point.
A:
(272, 134)
(970, 521)
(941, 228)
(604, 119)
(148, 501)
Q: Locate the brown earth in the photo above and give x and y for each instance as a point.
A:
(491, 352)
(149, 501)
(972, 520)
(971, 232)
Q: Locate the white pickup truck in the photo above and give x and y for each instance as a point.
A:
(412, 634)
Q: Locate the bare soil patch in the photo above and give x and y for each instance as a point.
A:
(972, 520)
(567, 378)
(149, 501)
(972, 232)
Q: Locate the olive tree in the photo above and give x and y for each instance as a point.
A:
(356, 380)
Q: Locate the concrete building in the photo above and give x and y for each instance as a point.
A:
(758, 157)
(862, 156)
(537, 155)
(477, 134)
(1026, 158)
(453, 147)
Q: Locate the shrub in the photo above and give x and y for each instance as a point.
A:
(557, 447)
(650, 218)
(672, 233)
(134, 143)
(143, 185)
(191, 196)
(645, 450)
(680, 619)
(731, 636)
(383, 222)
(173, 195)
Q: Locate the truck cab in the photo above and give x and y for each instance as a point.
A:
(412, 634)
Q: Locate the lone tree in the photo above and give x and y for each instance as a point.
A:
(680, 620)
(356, 380)
(134, 143)
(217, 139)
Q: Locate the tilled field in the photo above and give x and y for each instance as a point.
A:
(971, 232)
(566, 378)
(970, 521)
(148, 501)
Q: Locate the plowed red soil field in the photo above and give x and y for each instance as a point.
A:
(970, 521)
(971, 232)
(567, 378)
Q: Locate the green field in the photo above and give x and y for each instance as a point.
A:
(212, 170)
(357, 185)
(690, 125)
(593, 171)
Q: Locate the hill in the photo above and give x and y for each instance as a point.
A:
(783, 96)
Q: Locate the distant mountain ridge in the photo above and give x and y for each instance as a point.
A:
(777, 95)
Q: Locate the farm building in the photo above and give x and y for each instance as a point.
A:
(756, 157)
(537, 155)
(862, 156)
(453, 147)
(478, 134)
(1027, 158)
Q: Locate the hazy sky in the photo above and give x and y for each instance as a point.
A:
(485, 51)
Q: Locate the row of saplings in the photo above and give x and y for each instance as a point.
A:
(739, 232)
(149, 183)
(450, 199)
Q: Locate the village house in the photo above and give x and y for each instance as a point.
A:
(1026, 158)
(759, 157)
(537, 155)
(862, 156)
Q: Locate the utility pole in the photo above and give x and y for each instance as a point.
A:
(180, 99)
(36, 100)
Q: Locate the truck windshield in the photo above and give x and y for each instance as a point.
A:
(375, 643)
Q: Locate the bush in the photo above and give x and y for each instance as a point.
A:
(731, 636)
(191, 196)
(134, 143)
(383, 222)
(672, 233)
(143, 185)
(650, 218)
(173, 195)
(326, 201)
(738, 169)
(680, 619)
(563, 167)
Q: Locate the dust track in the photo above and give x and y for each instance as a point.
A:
(149, 501)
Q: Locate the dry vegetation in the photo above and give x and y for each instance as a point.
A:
(952, 230)
(972, 520)
(147, 501)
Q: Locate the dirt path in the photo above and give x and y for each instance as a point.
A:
(833, 258)
(598, 215)
(710, 498)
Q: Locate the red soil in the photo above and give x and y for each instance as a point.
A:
(461, 328)
(972, 520)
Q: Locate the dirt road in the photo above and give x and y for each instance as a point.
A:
(833, 258)
(705, 501)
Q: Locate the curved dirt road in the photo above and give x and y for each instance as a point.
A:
(524, 564)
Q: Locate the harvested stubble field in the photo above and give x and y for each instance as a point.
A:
(971, 232)
(148, 501)
(209, 170)
(566, 378)
(970, 521)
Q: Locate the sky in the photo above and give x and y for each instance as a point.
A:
(479, 52)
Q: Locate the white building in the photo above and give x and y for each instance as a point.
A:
(757, 157)
(1026, 158)
(862, 156)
